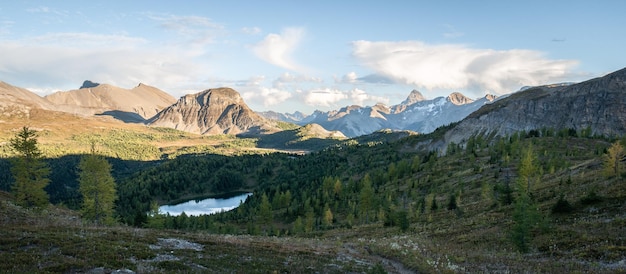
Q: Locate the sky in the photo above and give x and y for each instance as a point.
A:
(289, 56)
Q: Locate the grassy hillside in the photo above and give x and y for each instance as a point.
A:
(66, 134)
(460, 208)
(373, 204)
(63, 134)
(56, 240)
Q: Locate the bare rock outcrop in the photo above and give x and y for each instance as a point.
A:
(213, 111)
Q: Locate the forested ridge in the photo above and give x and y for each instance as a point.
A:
(406, 184)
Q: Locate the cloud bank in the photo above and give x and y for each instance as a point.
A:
(276, 49)
(451, 66)
(330, 97)
(324, 97)
(269, 96)
(62, 59)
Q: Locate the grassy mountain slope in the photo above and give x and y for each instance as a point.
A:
(472, 236)
(62, 134)
(56, 240)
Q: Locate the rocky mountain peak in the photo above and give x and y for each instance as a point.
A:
(459, 99)
(414, 97)
(212, 111)
(89, 84)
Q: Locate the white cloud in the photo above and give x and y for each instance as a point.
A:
(276, 49)
(288, 78)
(361, 98)
(269, 96)
(451, 66)
(324, 97)
(349, 78)
(64, 60)
(255, 80)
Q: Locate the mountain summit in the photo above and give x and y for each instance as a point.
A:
(89, 84)
(459, 99)
(414, 97)
(213, 111)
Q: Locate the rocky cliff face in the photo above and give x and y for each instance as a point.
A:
(598, 104)
(213, 111)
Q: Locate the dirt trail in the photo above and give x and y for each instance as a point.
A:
(349, 251)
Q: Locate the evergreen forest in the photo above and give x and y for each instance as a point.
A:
(527, 196)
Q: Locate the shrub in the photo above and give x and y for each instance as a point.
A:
(562, 206)
(591, 198)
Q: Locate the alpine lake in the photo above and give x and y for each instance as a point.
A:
(198, 207)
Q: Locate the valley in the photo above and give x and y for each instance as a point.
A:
(519, 185)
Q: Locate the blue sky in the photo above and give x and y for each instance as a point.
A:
(307, 55)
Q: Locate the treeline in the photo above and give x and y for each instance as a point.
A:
(31, 175)
(389, 184)
(63, 186)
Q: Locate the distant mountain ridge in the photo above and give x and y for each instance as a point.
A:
(293, 118)
(130, 105)
(19, 101)
(598, 104)
(415, 114)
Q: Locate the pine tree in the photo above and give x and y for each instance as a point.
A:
(528, 170)
(29, 170)
(452, 202)
(298, 226)
(155, 218)
(309, 220)
(366, 198)
(526, 216)
(265, 209)
(612, 159)
(328, 216)
(97, 186)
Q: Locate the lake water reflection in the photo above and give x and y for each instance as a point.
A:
(206, 206)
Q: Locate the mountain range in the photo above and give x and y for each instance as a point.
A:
(414, 114)
(598, 105)
(130, 105)
(223, 111)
